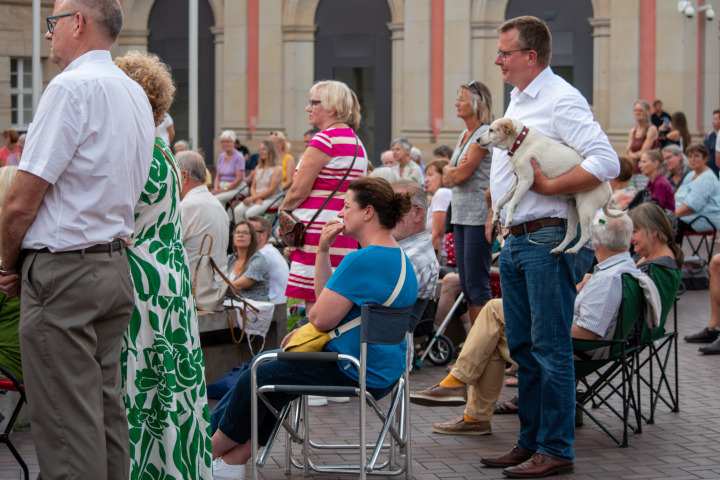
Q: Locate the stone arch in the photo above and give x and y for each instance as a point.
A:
(302, 12)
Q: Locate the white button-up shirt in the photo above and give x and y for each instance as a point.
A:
(92, 140)
(559, 111)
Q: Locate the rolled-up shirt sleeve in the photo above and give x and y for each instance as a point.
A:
(572, 119)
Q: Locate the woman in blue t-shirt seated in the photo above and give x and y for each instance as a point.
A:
(371, 210)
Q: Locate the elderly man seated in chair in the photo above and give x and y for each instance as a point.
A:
(412, 236)
(482, 361)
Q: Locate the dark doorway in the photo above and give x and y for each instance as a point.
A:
(572, 46)
(352, 44)
(168, 25)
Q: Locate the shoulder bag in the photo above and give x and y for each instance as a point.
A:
(210, 297)
(310, 339)
(292, 229)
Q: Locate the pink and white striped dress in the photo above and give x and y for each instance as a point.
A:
(339, 143)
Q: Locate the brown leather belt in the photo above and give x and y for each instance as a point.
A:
(115, 245)
(533, 225)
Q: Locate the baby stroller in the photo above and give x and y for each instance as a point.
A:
(438, 348)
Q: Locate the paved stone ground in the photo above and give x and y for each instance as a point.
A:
(683, 445)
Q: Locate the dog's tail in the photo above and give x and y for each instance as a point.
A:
(612, 213)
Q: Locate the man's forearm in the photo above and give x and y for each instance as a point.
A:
(576, 180)
(12, 234)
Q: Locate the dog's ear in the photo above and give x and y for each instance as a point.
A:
(509, 128)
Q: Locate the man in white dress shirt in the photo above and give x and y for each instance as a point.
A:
(539, 287)
(277, 265)
(70, 210)
(200, 214)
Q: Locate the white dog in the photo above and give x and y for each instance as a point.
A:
(554, 159)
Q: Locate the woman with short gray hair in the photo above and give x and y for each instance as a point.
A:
(230, 170)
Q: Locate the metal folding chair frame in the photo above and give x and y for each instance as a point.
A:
(395, 421)
(12, 384)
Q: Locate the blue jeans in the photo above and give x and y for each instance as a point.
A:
(473, 254)
(232, 414)
(538, 299)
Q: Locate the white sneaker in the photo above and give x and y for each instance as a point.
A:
(316, 401)
(338, 399)
(223, 471)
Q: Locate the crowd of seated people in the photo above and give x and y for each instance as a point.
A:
(482, 362)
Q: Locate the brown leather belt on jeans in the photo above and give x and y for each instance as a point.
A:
(533, 225)
(115, 245)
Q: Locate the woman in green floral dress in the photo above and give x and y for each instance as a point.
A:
(162, 364)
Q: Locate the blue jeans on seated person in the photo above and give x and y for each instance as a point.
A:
(538, 299)
(232, 414)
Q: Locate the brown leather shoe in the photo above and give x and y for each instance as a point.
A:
(514, 457)
(440, 396)
(460, 426)
(539, 466)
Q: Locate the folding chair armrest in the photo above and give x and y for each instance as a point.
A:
(714, 227)
(307, 356)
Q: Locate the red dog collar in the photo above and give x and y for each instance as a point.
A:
(518, 141)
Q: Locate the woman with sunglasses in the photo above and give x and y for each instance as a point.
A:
(469, 171)
(335, 110)
(247, 268)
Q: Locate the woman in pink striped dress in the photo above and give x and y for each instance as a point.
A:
(335, 110)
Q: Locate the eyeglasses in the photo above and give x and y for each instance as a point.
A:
(504, 54)
(315, 102)
(476, 88)
(241, 233)
(52, 21)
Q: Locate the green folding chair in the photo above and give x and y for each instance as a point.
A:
(612, 376)
(657, 345)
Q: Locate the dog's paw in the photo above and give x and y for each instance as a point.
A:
(496, 217)
(557, 251)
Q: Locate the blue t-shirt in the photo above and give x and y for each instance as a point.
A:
(370, 275)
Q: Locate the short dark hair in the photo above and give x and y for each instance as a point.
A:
(443, 151)
(533, 34)
(390, 206)
(264, 223)
(11, 134)
(716, 111)
(626, 170)
(698, 148)
(107, 14)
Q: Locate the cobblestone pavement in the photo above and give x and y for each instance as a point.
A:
(682, 445)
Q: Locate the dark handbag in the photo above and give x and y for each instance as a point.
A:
(292, 230)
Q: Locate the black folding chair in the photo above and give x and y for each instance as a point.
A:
(379, 325)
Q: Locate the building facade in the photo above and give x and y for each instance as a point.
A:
(405, 60)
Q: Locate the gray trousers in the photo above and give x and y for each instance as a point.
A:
(74, 311)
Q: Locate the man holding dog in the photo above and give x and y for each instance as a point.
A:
(539, 287)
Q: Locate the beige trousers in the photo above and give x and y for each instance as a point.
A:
(74, 310)
(481, 364)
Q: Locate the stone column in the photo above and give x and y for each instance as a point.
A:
(483, 53)
(601, 70)
(397, 40)
(458, 65)
(232, 62)
(219, 42)
(416, 65)
(271, 98)
(299, 67)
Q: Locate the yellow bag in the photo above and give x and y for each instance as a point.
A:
(307, 339)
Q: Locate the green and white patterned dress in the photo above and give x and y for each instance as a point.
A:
(162, 364)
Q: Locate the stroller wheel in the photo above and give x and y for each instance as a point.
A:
(441, 352)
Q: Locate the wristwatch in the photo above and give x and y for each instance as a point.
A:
(5, 273)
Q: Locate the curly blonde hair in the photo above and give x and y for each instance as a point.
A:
(153, 76)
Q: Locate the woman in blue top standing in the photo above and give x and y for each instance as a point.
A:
(371, 210)
(699, 195)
